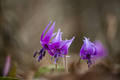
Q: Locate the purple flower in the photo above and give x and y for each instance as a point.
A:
(59, 47)
(53, 43)
(45, 40)
(92, 51)
(7, 66)
(100, 50)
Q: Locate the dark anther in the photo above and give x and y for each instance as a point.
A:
(58, 50)
(89, 62)
(44, 53)
(88, 56)
(46, 46)
(55, 55)
(41, 51)
(40, 57)
(35, 53)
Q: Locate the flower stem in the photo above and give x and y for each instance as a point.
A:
(56, 67)
(65, 63)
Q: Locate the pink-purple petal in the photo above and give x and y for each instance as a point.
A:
(100, 50)
(43, 33)
(92, 51)
(58, 36)
(49, 34)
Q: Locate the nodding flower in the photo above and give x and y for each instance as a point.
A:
(53, 43)
(45, 40)
(91, 51)
(60, 47)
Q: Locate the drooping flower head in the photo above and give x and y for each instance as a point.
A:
(92, 51)
(45, 40)
(53, 43)
(60, 47)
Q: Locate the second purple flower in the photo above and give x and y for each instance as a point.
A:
(91, 51)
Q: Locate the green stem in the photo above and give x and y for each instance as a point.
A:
(56, 67)
(65, 63)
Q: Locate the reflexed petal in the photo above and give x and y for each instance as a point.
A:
(54, 34)
(43, 33)
(49, 33)
(64, 48)
(58, 36)
(69, 42)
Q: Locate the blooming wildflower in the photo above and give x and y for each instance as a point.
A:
(59, 47)
(91, 51)
(7, 66)
(55, 47)
(45, 40)
(100, 50)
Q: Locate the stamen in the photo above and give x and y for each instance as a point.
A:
(51, 58)
(40, 57)
(89, 62)
(55, 56)
(56, 60)
(46, 46)
(44, 53)
(35, 53)
(88, 56)
(41, 51)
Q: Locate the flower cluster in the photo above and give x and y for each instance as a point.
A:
(53, 43)
(92, 51)
(56, 47)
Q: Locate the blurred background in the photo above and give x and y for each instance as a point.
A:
(22, 22)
